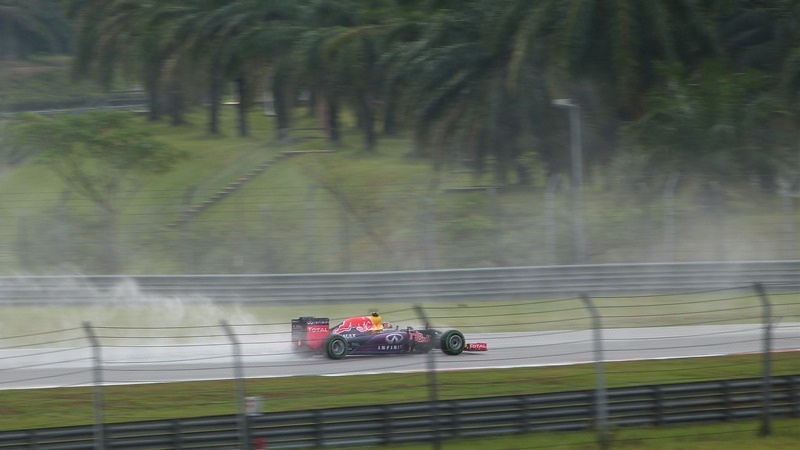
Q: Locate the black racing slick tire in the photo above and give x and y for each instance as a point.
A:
(452, 342)
(336, 347)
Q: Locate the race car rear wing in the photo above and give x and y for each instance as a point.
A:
(310, 331)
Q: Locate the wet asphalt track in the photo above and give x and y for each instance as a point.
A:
(42, 368)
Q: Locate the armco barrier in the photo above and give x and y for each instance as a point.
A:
(509, 283)
(715, 401)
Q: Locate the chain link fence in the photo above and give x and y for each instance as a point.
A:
(129, 360)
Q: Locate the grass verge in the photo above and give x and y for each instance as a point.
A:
(44, 408)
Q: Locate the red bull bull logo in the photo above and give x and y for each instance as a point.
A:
(416, 336)
(359, 324)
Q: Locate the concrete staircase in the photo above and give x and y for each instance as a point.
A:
(188, 214)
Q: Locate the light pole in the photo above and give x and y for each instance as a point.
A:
(576, 157)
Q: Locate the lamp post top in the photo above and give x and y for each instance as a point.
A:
(564, 103)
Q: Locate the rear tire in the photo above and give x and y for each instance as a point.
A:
(452, 342)
(336, 347)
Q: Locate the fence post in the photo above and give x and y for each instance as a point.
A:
(97, 391)
(766, 397)
(601, 398)
(185, 227)
(269, 262)
(788, 222)
(669, 214)
(344, 241)
(497, 221)
(550, 219)
(238, 374)
(424, 209)
(309, 229)
(24, 250)
(433, 392)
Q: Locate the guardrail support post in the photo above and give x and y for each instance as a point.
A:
(238, 374)
(601, 398)
(97, 392)
(432, 386)
(766, 412)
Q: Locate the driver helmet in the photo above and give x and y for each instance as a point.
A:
(376, 318)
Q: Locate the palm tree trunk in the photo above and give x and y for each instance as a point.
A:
(367, 122)
(241, 85)
(177, 103)
(153, 105)
(333, 121)
(282, 102)
(214, 95)
(154, 110)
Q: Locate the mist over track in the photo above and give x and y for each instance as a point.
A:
(413, 286)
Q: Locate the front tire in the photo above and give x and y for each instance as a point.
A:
(336, 347)
(452, 342)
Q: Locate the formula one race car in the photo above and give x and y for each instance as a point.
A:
(368, 335)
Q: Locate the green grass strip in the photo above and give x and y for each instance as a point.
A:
(45, 408)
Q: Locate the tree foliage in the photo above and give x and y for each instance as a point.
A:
(29, 26)
(103, 156)
(714, 124)
(474, 80)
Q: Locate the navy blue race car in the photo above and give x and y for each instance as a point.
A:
(369, 335)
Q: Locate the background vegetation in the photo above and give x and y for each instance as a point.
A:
(689, 113)
(707, 87)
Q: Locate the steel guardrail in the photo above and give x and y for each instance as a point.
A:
(506, 283)
(655, 405)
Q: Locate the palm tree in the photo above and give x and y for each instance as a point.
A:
(314, 69)
(231, 41)
(31, 25)
(714, 123)
(474, 98)
(340, 59)
(119, 36)
(617, 44)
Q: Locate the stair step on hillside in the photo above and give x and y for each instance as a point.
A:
(304, 152)
(187, 215)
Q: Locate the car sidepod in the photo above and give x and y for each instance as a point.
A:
(395, 341)
(423, 341)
